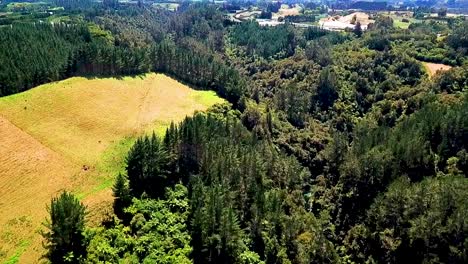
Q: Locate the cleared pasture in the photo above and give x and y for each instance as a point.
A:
(74, 135)
(433, 68)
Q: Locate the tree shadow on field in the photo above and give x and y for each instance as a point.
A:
(140, 76)
(143, 75)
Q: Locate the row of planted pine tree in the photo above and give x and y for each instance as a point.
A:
(33, 54)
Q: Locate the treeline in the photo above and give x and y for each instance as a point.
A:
(40, 53)
(246, 199)
(35, 54)
(266, 42)
(199, 69)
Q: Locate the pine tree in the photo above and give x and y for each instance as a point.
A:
(147, 167)
(357, 29)
(327, 88)
(65, 239)
(135, 167)
(122, 196)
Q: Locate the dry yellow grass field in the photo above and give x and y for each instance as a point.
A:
(74, 135)
(433, 68)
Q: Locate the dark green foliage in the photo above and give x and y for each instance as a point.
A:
(300, 18)
(383, 22)
(265, 15)
(459, 38)
(267, 42)
(251, 118)
(442, 12)
(248, 200)
(35, 54)
(295, 104)
(372, 76)
(319, 52)
(378, 41)
(122, 198)
(430, 137)
(227, 197)
(202, 70)
(421, 222)
(312, 33)
(453, 81)
(147, 167)
(65, 238)
(418, 146)
(273, 7)
(357, 30)
(233, 177)
(60, 51)
(217, 236)
(50, 53)
(327, 89)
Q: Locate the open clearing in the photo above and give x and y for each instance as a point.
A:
(344, 22)
(286, 10)
(74, 135)
(432, 68)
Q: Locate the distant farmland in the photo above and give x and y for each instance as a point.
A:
(74, 135)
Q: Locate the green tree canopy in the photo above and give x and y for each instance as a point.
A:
(65, 240)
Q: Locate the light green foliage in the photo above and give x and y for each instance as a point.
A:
(98, 33)
(156, 234)
(111, 245)
(26, 7)
(162, 230)
(249, 257)
(15, 258)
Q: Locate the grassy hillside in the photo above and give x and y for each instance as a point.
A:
(74, 135)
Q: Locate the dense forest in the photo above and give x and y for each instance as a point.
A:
(336, 147)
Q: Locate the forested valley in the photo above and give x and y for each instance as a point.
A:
(335, 147)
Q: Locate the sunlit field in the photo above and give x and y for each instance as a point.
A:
(74, 135)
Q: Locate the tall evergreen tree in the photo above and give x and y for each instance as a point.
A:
(327, 88)
(122, 196)
(357, 29)
(147, 167)
(65, 238)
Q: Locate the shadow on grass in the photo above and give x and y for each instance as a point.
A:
(142, 76)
